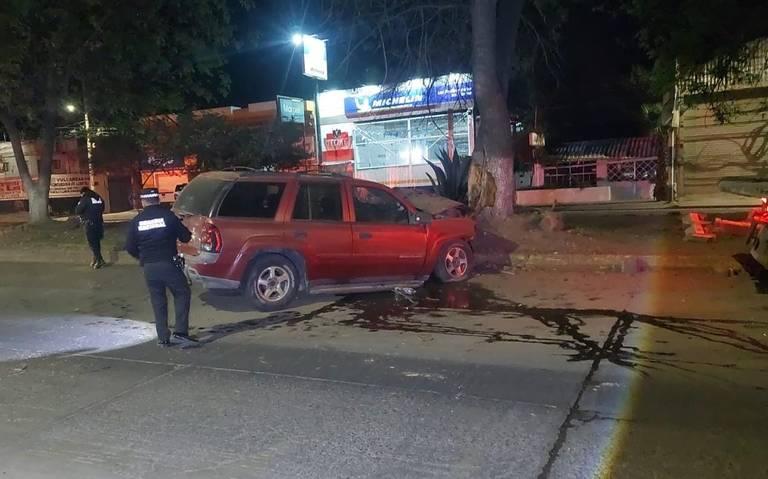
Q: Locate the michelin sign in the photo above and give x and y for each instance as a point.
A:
(443, 93)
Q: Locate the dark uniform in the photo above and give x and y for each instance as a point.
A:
(90, 208)
(152, 240)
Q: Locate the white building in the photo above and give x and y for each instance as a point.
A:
(385, 134)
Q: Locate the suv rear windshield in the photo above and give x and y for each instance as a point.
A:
(250, 199)
(198, 196)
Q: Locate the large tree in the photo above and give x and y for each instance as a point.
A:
(117, 60)
(701, 45)
(217, 143)
(407, 38)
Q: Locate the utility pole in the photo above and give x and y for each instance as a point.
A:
(319, 142)
(88, 142)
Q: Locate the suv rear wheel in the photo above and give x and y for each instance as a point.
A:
(454, 262)
(272, 283)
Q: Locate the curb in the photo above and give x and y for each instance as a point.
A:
(622, 263)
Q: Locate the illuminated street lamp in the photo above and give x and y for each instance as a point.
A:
(71, 108)
(315, 66)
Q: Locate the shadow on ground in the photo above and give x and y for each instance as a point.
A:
(235, 302)
(492, 252)
(755, 270)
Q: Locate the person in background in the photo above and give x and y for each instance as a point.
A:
(90, 209)
(152, 238)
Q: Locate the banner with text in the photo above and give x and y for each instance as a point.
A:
(62, 186)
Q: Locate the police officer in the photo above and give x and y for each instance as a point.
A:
(152, 240)
(90, 208)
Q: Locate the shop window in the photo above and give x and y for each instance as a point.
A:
(408, 142)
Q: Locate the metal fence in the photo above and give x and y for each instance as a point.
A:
(585, 174)
(633, 170)
(572, 175)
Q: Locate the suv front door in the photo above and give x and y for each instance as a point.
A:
(384, 243)
(322, 231)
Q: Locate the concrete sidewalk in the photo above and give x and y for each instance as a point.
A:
(724, 202)
(624, 263)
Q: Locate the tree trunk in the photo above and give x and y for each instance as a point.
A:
(494, 152)
(36, 191)
(38, 204)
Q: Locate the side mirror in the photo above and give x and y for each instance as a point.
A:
(421, 218)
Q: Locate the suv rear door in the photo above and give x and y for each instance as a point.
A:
(195, 205)
(250, 217)
(384, 243)
(321, 229)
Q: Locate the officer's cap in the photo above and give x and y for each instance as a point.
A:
(150, 193)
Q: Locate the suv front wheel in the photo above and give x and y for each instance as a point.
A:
(454, 263)
(272, 283)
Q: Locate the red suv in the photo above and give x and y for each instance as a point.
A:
(274, 235)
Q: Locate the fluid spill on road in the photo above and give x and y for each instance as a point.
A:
(433, 307)
(424, 313)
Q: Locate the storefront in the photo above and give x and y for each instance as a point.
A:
(385, 134)
(69, 174)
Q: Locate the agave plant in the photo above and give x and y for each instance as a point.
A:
(451, 181)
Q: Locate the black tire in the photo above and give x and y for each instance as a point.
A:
(459, 268)
(272, 283)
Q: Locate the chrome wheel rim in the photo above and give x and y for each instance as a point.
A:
(273, 284)
(456, 262)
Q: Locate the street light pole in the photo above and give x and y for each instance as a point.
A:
(319, 139)
(88, 143)
(89, 147)
(317, 70)
(71, 108)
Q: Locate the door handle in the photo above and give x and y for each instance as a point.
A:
(300, 235)
(366, 235)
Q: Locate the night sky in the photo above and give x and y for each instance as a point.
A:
(589, 94)
(265, 62)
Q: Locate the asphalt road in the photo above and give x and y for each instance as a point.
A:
(532, 375)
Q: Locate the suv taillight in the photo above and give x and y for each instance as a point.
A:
(210, 239)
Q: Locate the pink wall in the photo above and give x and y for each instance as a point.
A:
(538, 176)
(596, 194)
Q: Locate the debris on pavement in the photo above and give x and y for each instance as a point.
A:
(405, 293)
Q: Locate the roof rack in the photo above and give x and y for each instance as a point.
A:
(240, 168)
(324, 173)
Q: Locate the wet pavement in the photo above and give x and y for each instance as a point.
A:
(518, 374)
(42, 336)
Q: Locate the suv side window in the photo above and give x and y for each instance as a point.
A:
(249, 199)
(373, 205)
(318, 202)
